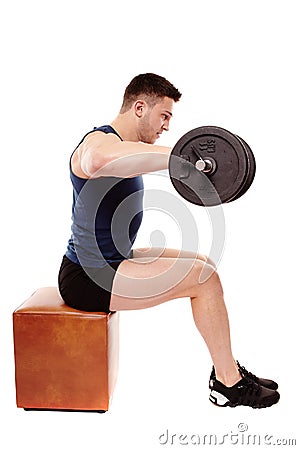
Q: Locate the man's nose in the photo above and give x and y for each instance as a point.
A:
(165, 126)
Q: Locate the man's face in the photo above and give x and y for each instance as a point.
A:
(155, 120)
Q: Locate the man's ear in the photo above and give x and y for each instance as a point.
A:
(139, 108)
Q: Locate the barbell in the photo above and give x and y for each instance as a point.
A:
(209, 166)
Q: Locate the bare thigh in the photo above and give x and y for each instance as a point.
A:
(145, 282)
(155, 252)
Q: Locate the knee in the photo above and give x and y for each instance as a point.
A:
(209, 261)
(209, 282)
(207, 273)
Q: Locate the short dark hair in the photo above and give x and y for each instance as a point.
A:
(148, 85)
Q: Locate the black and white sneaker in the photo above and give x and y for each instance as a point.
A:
(270, 384)
(245, 392)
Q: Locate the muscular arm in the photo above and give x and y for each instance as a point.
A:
(105, 155)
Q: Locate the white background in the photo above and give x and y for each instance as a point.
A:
(64, 69)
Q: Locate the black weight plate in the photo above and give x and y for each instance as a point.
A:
(251, 169)
(231, 172)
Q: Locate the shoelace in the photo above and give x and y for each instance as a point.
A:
(247, 374)
(249, 390)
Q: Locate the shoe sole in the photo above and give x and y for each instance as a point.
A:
(220, 400)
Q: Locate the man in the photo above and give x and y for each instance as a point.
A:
(101, 272)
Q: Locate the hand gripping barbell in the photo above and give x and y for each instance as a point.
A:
(210, 165)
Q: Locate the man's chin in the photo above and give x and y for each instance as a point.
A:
(157, 136)
(149, 141)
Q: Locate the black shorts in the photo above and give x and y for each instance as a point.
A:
(80, 291)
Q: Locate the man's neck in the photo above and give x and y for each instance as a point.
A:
(124, 126)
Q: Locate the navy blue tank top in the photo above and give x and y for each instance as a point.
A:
(106, 215)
